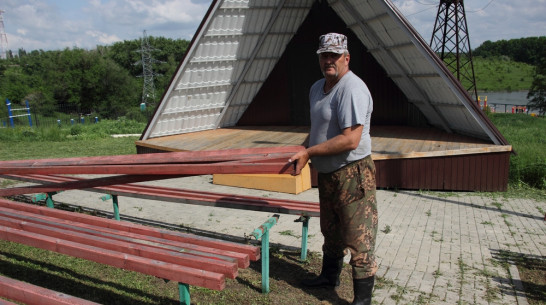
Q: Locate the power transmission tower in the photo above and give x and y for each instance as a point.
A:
(451, 43)
(3, 38)
(147, 61)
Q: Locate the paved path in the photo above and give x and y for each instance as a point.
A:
(432, 248)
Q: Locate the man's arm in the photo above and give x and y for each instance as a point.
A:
(346, 141)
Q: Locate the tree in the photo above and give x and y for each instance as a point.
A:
(537, 93)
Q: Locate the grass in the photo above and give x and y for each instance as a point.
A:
(527, 135)
(502, 74)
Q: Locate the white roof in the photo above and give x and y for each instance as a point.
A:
(240, 41)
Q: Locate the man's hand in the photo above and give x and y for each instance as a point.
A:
(299, 160)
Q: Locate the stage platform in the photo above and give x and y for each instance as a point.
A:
(405, 157)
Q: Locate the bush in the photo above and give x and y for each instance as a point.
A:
(76, 130)
(527, 136)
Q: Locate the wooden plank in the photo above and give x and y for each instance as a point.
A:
(185, 157)
(210, 245)
(31, 294)
(24, 222)
(135, 238)
(281, 167)
(182, 274)
(278, 183)
(82, 184)
(224, 200)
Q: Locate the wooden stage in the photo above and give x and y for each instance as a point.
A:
(405, 157)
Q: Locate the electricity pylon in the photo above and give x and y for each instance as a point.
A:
(3, 38)
(147, 61)
(451, 43)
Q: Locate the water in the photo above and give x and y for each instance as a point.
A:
(504, 101)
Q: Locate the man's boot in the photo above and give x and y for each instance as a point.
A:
(363, 291)
(329, 276)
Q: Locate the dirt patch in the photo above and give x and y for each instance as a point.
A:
(286, 272)
(532, 271)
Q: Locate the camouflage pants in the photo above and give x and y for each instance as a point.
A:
(348, 215)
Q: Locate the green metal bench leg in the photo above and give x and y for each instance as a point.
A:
(263, 233)
(265, 262)
(304, 235)
(49, 200)
(115, 204)
(184, 292)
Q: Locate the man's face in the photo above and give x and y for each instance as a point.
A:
(333, 65)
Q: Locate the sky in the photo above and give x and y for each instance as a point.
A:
(59, 24)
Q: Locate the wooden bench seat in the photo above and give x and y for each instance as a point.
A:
(31, 294)
(305, 209)
(185, 258)
(186, 196)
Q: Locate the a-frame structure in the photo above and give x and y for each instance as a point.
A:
(245, 79)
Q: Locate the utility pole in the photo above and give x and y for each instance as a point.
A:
(147, 61)
(451, 43)
(3, 38)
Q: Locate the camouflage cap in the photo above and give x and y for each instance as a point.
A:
(332, 42)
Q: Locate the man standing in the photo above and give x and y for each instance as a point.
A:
(340, 150)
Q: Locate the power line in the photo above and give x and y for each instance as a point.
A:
(483, 8)
(434, 5)
(147, 61)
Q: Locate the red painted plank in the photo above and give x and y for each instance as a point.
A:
(171, 157)
(188, 247)
(83, 184)
(215, 246)
(158, 169)
(31, 294)
(182, 274)
(193, 197)
(228, 268)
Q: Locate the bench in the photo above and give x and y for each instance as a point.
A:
(305, 209)
(185, 258)
(31, 294)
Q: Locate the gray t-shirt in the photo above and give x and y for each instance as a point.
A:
(347, 104)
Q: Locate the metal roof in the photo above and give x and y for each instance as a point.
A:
(240, 41)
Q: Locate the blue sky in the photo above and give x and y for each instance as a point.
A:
(58, 24)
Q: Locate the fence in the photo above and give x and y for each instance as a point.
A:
(63, 115)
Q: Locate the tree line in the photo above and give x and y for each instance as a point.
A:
(103, 81)
(527, 50)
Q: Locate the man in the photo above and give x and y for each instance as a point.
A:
(340, 150)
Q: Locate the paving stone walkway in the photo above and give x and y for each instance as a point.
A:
(432, 248)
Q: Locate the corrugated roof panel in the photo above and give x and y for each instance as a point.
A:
(234, 4)
(240, 37)
(260, 69)
(240, 42)
(240, 102)
(412, 61)
(273, 46)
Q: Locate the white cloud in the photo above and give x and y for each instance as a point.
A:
(103, 38)
(50, 25)
(54, 24)
(487, 19)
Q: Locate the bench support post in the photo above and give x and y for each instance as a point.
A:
(48, 198)
(263, 233)
(184, 292)
(304, 235)
(115, 204)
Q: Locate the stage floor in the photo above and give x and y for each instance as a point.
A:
(388, 142)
